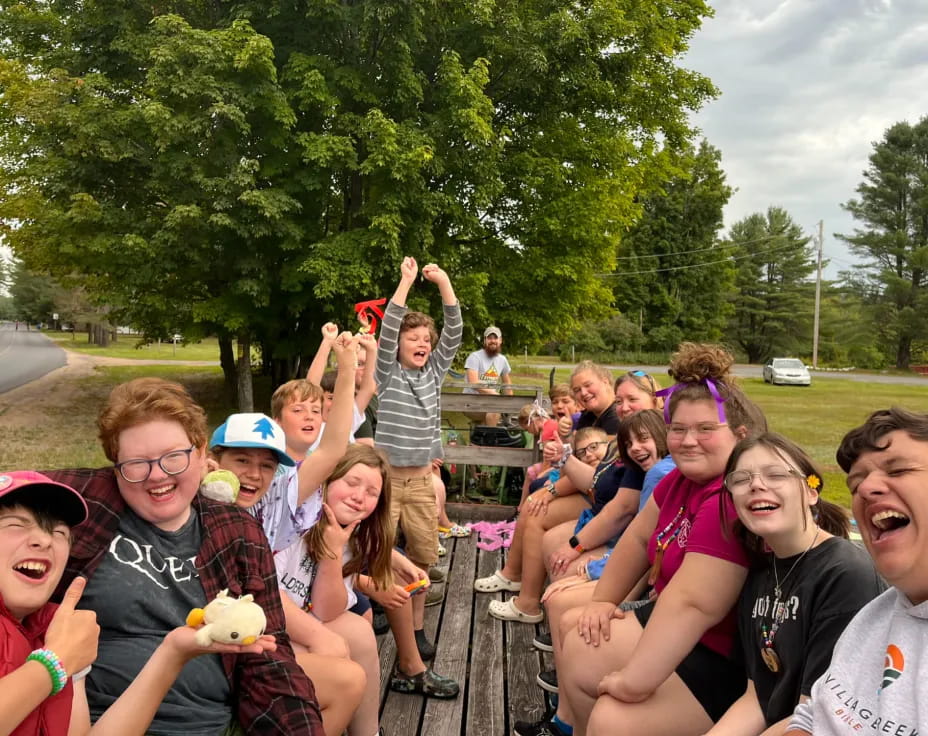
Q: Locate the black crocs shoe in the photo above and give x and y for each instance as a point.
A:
(547, 680)
(543, 642)
(546, 727)
(425, 683)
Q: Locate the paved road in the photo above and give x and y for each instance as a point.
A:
(743, 370)
(25, 356)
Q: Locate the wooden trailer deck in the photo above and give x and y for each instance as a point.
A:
(493, 661)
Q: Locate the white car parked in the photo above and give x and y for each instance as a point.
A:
(789, 371)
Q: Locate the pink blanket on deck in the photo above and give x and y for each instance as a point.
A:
(492, 535)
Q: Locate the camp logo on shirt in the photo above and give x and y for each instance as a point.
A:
(893, 666)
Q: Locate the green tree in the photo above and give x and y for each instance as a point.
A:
(892, 206)
(673, 276)
(33, 295)
(772, 300)
(254, 169)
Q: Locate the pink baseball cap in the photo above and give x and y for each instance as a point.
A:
(29, 487)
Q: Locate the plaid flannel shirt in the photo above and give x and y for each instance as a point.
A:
(272, 694)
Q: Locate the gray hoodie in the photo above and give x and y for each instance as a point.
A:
(877, 682)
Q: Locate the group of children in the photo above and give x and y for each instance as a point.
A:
(327, 507)
(694, 580)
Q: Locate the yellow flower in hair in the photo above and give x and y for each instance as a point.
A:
(813, 481)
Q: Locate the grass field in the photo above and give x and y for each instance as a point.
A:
(60, 431)
(127, 346)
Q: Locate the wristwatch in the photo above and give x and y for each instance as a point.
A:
(549, 487)
(575, 544)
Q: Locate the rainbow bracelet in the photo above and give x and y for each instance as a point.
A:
(48, 659)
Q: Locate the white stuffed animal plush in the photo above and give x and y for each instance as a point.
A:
(220, 485)
(228, 620)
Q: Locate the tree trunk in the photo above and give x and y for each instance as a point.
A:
(227, 363)
(246, 402)
(904, 353)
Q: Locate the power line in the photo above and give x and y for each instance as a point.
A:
(692, 265)
(718, 246)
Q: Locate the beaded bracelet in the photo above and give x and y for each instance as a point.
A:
(48, 659)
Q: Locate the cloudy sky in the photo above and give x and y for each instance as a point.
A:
(807, 87)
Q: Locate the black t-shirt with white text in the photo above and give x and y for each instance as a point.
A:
(825, 591)
(144, 587)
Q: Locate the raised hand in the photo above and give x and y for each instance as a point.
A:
(345, 347)
(409, 269)
(565, 425)
(336, 536)
(367, 342)
(329, 332)
(435, 274)
(73, 635)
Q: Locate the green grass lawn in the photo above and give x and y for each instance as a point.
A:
(128, 346)
(60, 432)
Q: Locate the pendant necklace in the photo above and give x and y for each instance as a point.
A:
(767, 652)
(660, 545)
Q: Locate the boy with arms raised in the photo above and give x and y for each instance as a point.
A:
(291, 505)
(411, 365)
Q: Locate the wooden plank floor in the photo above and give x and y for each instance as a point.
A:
(494, 662)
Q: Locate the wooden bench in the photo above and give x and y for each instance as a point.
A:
(453, 400)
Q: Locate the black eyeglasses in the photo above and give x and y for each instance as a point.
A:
(581, 452)
(174, 462)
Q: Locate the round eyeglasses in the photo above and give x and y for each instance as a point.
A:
(174, 462)
(772, 476)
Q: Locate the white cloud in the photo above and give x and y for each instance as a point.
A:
(807, 87)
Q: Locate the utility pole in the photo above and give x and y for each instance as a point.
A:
(818, 295)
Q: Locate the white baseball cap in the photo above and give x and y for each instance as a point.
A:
(492, 330)
(252, 430)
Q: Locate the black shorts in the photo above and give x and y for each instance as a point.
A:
(363, 605)
(714, 680)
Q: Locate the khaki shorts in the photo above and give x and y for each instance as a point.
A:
(412, 504)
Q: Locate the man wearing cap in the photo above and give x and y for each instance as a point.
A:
(489, 368)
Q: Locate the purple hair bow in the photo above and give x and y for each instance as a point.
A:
(666, 393)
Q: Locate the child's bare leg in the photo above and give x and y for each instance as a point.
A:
(362, 644)
(339, 684)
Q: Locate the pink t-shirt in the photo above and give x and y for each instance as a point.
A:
(700, 530)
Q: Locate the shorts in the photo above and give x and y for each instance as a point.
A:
(413, 506)
(362, 606)
(714, 680)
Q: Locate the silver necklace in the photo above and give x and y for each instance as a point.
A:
(777, 585)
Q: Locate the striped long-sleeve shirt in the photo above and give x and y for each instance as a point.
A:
(409, 417)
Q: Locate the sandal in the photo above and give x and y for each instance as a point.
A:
(455, 530)
(507, 611)
(495, 583)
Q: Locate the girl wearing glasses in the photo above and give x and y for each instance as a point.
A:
(807, 581)
(665, 668)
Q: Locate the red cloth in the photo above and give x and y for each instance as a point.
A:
(549, 430)
(271, 692)
(17, 641)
